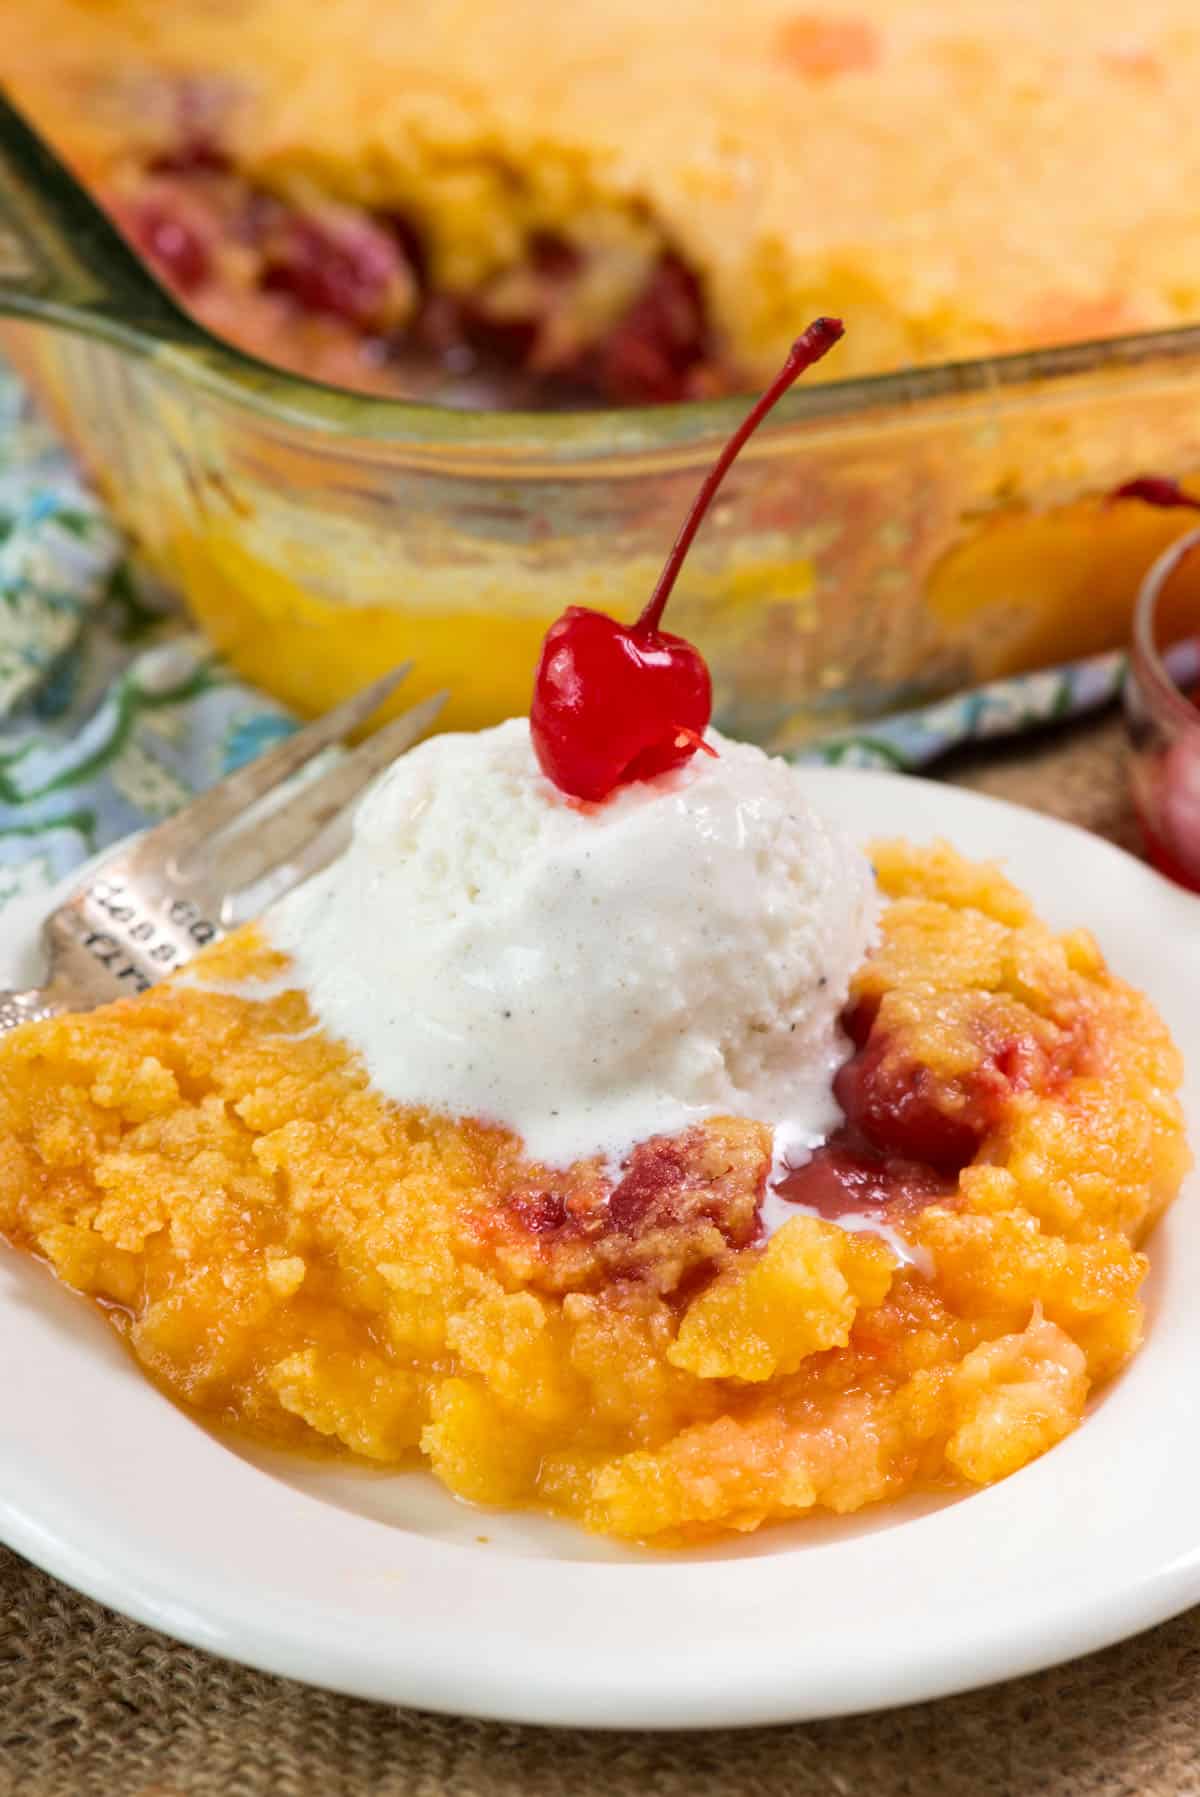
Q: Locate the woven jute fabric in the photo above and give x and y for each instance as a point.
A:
(92, 1705)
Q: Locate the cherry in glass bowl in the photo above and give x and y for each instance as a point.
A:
(1162, 708)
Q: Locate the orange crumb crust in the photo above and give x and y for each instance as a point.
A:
(287, 1252)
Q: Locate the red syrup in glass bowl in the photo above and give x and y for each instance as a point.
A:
(1162, 700)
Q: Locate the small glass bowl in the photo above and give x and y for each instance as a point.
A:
(1162, 709)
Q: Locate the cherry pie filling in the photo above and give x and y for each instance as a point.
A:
(909, 1132)
(680, 1205)
(347, 294)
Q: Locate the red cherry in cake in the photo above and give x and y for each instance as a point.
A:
(173, 242)
(1155, 489)
(612, 702)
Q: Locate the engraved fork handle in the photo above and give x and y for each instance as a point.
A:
(30, 1006)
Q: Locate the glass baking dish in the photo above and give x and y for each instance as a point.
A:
(880, 542)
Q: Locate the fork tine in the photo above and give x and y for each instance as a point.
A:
(225, 801)
(276, 843)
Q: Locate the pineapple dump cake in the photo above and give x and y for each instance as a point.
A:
(783, 1194)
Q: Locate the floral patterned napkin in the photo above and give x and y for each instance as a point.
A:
(112, 714)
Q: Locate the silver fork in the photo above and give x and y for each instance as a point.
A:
(148, 907)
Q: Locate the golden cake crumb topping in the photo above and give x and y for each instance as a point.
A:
(957, 179)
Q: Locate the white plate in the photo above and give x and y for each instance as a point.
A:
(385, 1586)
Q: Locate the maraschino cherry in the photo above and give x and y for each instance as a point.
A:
(612, 702)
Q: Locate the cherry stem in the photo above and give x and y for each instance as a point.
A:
(684, 735)
(808, 348)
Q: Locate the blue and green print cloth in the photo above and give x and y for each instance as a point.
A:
(113, 714)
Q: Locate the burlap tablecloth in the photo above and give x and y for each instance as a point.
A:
(91, 1705)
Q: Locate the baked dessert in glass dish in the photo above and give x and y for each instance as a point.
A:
(609, 1128)
(608, 202)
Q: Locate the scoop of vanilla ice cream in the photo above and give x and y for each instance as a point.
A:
(588, 976)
